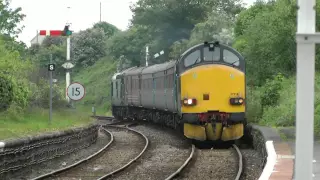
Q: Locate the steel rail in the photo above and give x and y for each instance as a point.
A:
(134, 159)
(183, 165)
(79, 162)
(240, 162)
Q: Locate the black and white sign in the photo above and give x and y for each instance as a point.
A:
(51, 67)
(76, 91)
(68, 65)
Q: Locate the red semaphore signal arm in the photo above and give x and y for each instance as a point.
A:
(51, 32)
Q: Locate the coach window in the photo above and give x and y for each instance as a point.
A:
(192, 58)
(211, 55)
(112, 89)
(230, 57)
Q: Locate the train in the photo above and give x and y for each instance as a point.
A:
(201, 94)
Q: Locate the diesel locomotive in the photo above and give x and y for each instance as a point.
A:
(202, 94)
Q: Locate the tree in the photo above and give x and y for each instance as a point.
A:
(130, 44)
(108, 29)
(169, 21)
(267, 40)
(9, 19)
(53, 40)
(88, 46)
(246, 17)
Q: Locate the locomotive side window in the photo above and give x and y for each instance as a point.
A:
(211, 55)
(230, 58)
(192, 58)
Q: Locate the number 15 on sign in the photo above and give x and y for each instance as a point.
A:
(76, 91)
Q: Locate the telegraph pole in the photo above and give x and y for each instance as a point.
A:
(100, 11)
(147, 54)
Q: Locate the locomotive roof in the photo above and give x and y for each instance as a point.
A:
(158, 67)
(202, 44)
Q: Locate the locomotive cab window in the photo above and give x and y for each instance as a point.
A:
(230, 58)
(211, 55)
(192, 58)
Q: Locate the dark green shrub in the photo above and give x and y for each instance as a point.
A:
(6, 92)
(271, 91)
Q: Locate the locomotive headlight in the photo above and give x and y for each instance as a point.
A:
(236, 101)
(189, 102)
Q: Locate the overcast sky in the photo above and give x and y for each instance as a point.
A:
(53, 14)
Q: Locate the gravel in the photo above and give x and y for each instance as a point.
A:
(219, 164)
(126, 146)
(253, 164)
(57, 163)
(166, 153)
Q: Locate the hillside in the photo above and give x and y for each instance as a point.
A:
(96, 80)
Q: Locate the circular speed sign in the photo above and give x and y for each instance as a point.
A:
(76, 91)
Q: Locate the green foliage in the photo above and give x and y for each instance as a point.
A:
(35, 121)
(6, 92)
(253, 104)
(53, 40)
(40, 95)
(246, 17)
(270, 93)
(42, 57)
(169, 21)
(88, 46)
(96, 79)
(266, 33)
(9, 19)
(129, 44)
(14, 72)
(108, 29)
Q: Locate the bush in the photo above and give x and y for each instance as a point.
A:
(41, 93)
(271, 91)
(253, 104)
(6, 92)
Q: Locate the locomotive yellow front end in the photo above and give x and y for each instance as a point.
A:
(212, 94)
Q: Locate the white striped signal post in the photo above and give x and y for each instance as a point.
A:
(306, 38)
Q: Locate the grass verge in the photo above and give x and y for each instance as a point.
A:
(37, 121)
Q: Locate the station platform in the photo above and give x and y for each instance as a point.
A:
(284, 148)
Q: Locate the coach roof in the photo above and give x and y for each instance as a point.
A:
(134, 71)
(158, 67)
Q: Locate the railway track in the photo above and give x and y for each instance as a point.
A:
(228, 161)
(212, 164)
(113, 158)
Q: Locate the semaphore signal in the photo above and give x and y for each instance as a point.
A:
(68, 65)
(64, 32)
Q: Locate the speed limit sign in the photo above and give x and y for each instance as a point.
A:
(76, 91)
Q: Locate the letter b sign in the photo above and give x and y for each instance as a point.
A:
(75, 91)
